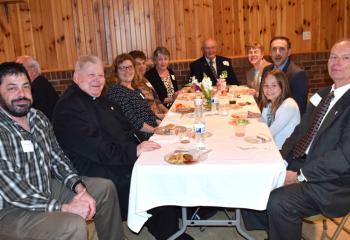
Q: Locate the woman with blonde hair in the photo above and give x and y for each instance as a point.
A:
(278, 109)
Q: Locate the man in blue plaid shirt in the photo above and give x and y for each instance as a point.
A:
(41, 194)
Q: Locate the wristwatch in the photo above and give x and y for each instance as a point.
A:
(300, 176)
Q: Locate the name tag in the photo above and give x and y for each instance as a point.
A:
(27, 146)
(315, 99)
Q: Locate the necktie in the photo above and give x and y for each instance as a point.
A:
(319, 112)
(211, 65)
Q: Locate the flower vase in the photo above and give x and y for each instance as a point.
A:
(207, 104)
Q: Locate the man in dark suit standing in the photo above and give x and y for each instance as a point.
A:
(212, 65)
(280, 51)
(44, 95)
(318, 156)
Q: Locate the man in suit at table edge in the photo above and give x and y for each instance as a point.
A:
(44, 95)
(212, 65)
(318, 180)
(280, 51)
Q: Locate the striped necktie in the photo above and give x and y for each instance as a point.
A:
(319, 113)
(211, 65)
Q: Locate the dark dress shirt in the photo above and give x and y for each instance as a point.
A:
(44, 96)
(201, 66)
(97, 137)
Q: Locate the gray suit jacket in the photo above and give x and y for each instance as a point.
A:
(327, 165)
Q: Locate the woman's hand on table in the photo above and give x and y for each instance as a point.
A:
(146, 146)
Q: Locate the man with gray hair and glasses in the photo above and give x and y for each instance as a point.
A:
(44, 95)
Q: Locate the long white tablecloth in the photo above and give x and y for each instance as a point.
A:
(236, 174)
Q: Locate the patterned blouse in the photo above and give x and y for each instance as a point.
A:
(151, 96)
(168, 85)
(134, 106)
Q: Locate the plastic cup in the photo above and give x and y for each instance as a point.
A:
(240, 130)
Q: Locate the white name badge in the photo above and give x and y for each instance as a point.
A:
(27, 146)
(315, 99)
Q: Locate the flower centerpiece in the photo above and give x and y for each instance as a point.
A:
(205, 87)
(223, 75)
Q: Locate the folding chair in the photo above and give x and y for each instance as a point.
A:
(340, 225)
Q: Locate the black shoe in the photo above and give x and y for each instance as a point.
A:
(185, 236)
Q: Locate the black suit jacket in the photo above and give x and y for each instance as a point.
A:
(298, 83)
(44, 96)
(94, 134)
(201, 66)
(157, 83)
(327, 165)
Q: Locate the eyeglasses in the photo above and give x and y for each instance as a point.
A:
(344, 58)
(126, 68)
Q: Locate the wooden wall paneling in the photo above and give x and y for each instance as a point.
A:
(71, 48)
(89, 24)
(265, 15)
(48, 34)
(118, 28)
(135, 19)
(218, 22)
(159, 23)
(103, 32)
(190, 26)
(347, 19)
(125, 15)
(59, 41)
(111, 35)
(108, 32)
(247, 24)
(306, 15)
(313, 10)
(79, 29)
(133, 36)
(340, 31)
(179, 30)
(100, 30)
(198, 16)
(228, 27)
(142, 24)
(43, 34)
(170, 26)
(149, 26)
(207, 23)
(238, 33)
(13, 35)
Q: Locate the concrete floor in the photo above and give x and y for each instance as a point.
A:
(310, 231)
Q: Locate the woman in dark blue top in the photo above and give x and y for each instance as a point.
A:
(131, 100)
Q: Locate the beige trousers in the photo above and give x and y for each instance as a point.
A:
(17, 223)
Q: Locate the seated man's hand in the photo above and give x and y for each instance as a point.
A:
(291, 177)
(146, 146)
(78, 206)
(87, 198)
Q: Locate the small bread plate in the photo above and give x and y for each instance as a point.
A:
(169, 129)
(185, 157)
(183, 109)
(258, 139)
